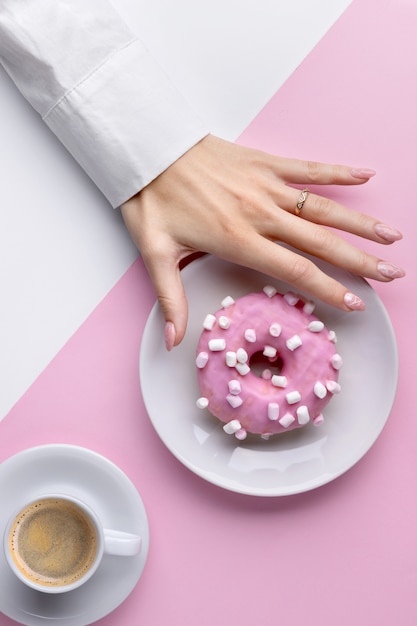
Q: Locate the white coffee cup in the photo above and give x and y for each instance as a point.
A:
(56, 542)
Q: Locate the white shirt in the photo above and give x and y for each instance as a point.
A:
(98, 89)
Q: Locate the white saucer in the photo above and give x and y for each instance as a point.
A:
(84, 474)
(293, 462)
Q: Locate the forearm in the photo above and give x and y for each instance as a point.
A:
(98, 89)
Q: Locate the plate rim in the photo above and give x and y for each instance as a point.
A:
(304, 486)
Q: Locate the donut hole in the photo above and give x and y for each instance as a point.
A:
(258, 363)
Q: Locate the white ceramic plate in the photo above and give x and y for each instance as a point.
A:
(86, 475)
(296, 461)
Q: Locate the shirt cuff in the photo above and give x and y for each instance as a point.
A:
(125, 123)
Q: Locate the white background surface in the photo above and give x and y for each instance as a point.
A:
(62, 247)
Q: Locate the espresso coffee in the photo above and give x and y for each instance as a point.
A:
(53, 542)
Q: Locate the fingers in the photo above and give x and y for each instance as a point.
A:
(303, 172)
(320, 210)
(325, 244)
(298, 271)
(165, 275)
(161, 256)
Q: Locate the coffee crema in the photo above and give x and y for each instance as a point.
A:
(53, 542)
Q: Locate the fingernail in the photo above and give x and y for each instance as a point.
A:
(353, 302)
(390, 271)
(362, 172)
(386, 232)
(169, 335)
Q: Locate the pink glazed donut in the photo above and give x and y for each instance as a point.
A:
(298, 357)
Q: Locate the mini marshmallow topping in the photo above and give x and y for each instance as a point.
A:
(332, 336)
(224, 322)
(309, 307)
(316, 326)
(227, 301)
(336, 361)
(333, 386)
(234, 387)
(293, 397)
(201, 360)
(232, 427)
(279, 381)
(241, 355)
(283, 331)
(231, 359)
(291, 298)
(320, 390)
(270, 352)
(250, 335)
(287, 420)
(275, 330)
(303, 415)
(294, 342)
(269, 291)
(243, 368)
(217, 345)
(209, 321)
(202, 403)
(273, 411)
(234, 400)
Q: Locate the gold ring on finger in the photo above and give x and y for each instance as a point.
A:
(301, 200)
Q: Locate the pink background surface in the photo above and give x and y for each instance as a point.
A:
(344, 553)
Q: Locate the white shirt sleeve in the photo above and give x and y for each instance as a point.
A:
(98, 89)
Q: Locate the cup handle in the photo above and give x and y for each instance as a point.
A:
(119, 543)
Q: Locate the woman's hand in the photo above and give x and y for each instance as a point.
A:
(235, 202)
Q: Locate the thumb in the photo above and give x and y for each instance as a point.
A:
(166, 277)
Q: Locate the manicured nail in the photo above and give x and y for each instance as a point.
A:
(390, 271)
(353, 302)
(169, 335)
(386, 232)
(362, 172)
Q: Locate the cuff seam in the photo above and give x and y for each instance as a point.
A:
(85, 78)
